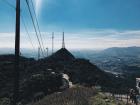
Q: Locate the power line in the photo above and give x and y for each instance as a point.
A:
(12, 6)
(34, 25)
(25, 26)
(37, 25)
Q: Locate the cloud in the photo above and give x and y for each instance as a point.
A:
(38, 4)
(87, 39)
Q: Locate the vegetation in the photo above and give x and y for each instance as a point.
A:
(78, 96)
(4, 101)
(44, 77)
(102, 99)
(39, 85)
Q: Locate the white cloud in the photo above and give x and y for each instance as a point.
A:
(82, 39)
(38, 4)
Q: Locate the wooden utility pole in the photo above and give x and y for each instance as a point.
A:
(17, 55)
(52, 42)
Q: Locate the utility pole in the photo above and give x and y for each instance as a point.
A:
(39, 52)
(52, 42)
(63, 41)
(47, 51)
(17, 55)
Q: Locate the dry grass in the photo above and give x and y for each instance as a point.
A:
(102, 99)
(74, 96)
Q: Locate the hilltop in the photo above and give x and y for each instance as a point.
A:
(117, 60)
(45, 75)
(62, 55)
(78, 96)
(80, 71)
(121, 51)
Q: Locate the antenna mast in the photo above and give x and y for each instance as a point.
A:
(39, 52)
(52, 42)
(47, 51)
(63, 41)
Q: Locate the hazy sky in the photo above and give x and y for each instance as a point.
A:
(87, 23)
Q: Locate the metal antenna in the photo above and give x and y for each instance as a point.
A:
(52, 42)
(63, 41)
(39, 52)
(47, 51)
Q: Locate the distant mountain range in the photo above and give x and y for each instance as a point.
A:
(116, 59)
(114, 51)
(35, 73)
(46, 74)
(121, 51)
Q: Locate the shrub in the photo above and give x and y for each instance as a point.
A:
(4, 101)
(73, 96)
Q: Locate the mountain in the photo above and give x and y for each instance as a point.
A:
(117, 60)
(80, 70)
(78, 95)
(113, 52)
(45, 75)
(121, 51)
(62, 55)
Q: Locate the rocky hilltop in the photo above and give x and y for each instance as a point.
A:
(45, 75)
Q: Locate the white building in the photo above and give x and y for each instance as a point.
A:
(138, 84)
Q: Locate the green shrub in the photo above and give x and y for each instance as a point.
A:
(74, 96)
(4, 101)
(101, 99)
(78, 96)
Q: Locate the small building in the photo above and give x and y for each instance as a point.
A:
(138, 84)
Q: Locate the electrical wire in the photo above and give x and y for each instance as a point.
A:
(12, 6)
(25, 26)
(38, 25)
(34, 26)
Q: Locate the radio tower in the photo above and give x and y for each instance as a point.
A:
(39, 52)
(47, 51)
(52, 41)
(63, 41)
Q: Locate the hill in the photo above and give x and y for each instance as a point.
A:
(32, 78)
(62, 55)
(45, 75)
(78, 96)
(117, 60)
(79, 70)
(121, 51)
(82, 71)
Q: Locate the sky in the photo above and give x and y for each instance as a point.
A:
(88, 24)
